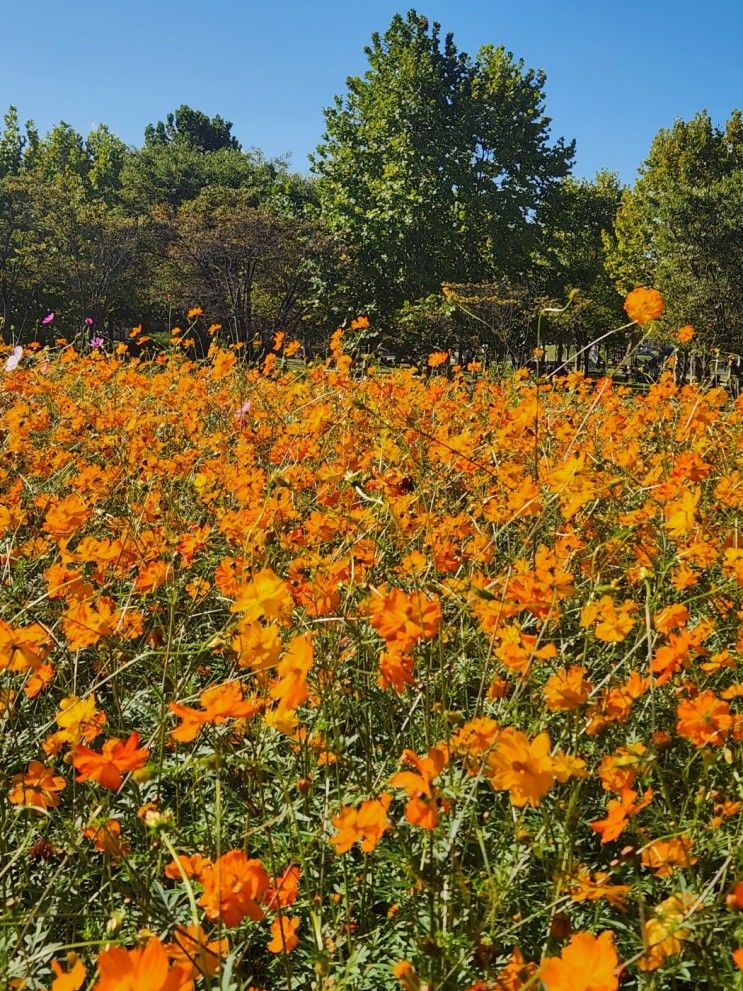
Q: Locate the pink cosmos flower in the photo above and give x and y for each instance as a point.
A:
(242, 413)
(13, 358)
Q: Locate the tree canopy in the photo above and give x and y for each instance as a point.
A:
(680, 227)
(193, 128)
(436, 164)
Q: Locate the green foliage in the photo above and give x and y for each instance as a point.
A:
(175, 173)
(82, 228)
(681, 227)
(194, 129)
(577, 217)
(435, 163)
(251, 267)
(472, 321)
(14, 144)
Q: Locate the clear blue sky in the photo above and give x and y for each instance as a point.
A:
(617, 70)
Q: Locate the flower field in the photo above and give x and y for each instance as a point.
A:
(318, 680)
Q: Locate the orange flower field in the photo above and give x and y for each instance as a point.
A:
(326, 678)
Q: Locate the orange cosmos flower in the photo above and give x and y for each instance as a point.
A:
(664, 933)
(685, 334)
(218, 703)
(107, 838)
(516, 649)
(78, 720)
(514, 976)
(283, 938)
(291, 687)
(395, 670)
(612, 623)
(705, 720)
(662, 856)
(37, 788)
(190, 866)
(11, 517)
(643, 305)
(593, 888)
(40, 678)
(257, 646)
(151, 576)
(365, 825)
(422, 809)
(192, 951)
(85, 623)
(403, 619)
(233, 886)
(265, 595)
(567, 689)
(108, 767)
(618, 771)
(735, 898)
(738, 958)
(360, 323)
(619, 812)
(143, 969)
(409, 980)
(437, 358)
(521, 766)
(680, 513)
(565, 767)
(474, 739)
(588, 963)
(195, 311)
(66, 516)
(671, 617)
(22, 648)
(71, 980)
(677, 653)
(283, 891)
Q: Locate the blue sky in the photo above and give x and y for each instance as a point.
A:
(617, 71)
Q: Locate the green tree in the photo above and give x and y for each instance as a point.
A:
(107, 156)
(61, 153)
(84, 257)
(193, 128)
(15, 146)
(16, 221)
(435, 164)
(680, 228)
(189, 152)
(577, 217)
(65, 243)
(253, 268)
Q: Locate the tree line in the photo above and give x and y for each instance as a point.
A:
(438, 204)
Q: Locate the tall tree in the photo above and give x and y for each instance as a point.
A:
(16, 220)
(435, 164)
(252, 268)
(577, 217)
(680, 228)
(15, 146)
